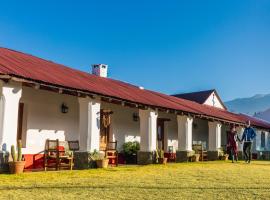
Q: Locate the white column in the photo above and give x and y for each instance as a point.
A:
(267, 138)
(10, 98)
(148, 130)
(257, 141)
(214, 136)
(184, 133)
(240, 131)
(89, 124)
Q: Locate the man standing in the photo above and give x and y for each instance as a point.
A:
(248, 136)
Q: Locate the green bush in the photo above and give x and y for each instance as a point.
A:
(131, 148)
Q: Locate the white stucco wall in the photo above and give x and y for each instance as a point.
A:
(172, 133)
(123, 128)
(214, 101)
(43, 118)
(200, 132)
(224, 130)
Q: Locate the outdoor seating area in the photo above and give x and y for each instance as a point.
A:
(59, 154)
(200, 151)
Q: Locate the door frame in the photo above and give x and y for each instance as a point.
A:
(161, 121)
(20, 122)
(103, 128)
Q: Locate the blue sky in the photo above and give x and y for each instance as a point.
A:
(167, 46)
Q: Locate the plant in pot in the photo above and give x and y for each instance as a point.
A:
(102, 161)
(93, 156)
(16, 166)
(222, 155)
(160, 157)
(130, 150)
(196, 157)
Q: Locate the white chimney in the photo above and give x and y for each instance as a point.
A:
(100, 70)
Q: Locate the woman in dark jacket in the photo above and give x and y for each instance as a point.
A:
(232, 143)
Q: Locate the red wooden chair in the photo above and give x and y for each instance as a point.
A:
(112, 153)
(57, 155)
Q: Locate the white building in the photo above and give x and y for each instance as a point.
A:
(42, 100)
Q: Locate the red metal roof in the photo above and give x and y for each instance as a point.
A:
(29, 67)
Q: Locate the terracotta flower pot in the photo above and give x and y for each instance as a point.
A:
(196, 157)
(226, 157)
(102, 163)
(16, 167)
(162, 161)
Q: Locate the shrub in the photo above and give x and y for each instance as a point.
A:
(131, 148)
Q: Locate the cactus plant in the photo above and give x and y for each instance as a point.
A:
(13, 153)
(17, 156)
(19, 151)
(16, 166)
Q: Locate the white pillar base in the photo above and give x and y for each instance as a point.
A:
(10, 98)
(148, 130)
(89, 124)
(184, 133)
(214, 136)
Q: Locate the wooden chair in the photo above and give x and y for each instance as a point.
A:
(51, 154)
(57, 155)
(66, 158)
(111, 153)
(171, 154)
(198, 148)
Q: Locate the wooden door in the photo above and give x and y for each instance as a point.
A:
(160, 134)
(105, 123)
(20, 121)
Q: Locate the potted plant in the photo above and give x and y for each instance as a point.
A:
(93, 156)
(196, 157)
(223, 155)
(102, 161)
(130, 150)
(16, 166)
(160, 159)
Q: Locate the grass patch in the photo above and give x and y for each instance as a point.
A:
(209, 180)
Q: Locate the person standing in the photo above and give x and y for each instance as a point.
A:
(232, 143)
(248, 136)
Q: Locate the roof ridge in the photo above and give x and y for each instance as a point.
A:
(210, 90)
(67, 67)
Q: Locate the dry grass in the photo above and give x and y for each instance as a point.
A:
(211, 180)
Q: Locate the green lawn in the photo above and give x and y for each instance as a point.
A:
(209, 180)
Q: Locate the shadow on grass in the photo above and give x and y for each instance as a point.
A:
(133, 187)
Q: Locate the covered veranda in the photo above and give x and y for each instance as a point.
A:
(36, 114)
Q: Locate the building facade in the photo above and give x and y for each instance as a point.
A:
(42, 100)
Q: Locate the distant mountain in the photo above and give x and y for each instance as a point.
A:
(263, 115)
(256, 104)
